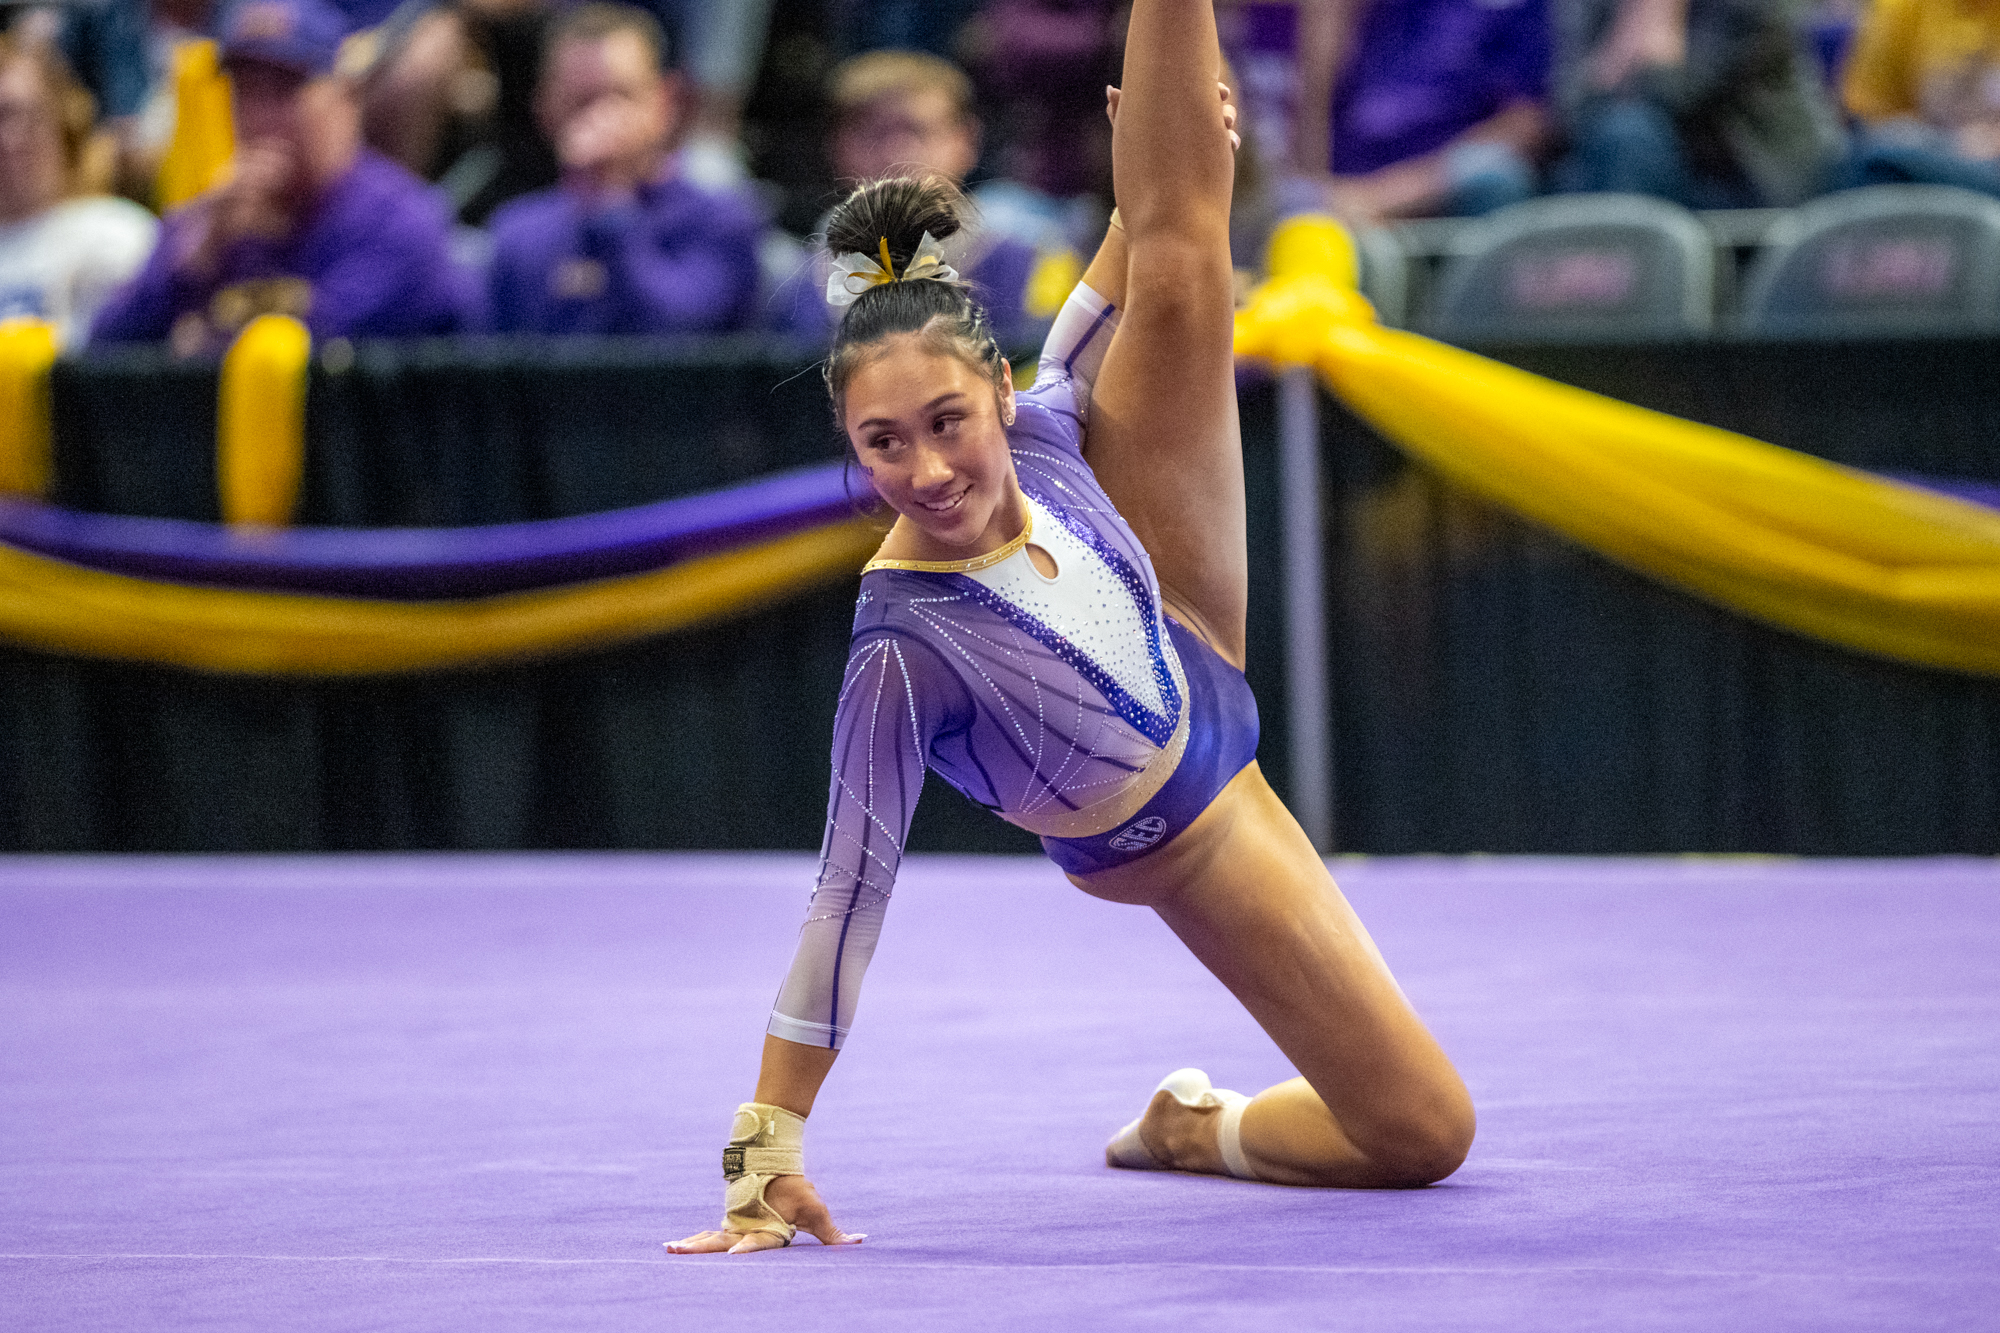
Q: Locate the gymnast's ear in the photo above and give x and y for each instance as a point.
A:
(1003, 392)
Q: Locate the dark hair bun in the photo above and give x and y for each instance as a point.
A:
(900, 209)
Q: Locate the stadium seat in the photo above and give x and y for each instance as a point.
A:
(1578, 268)
(1384, 274)
(1886, 260)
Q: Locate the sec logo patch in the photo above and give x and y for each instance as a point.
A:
(1140, 834)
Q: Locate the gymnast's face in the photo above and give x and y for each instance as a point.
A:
(930, 430)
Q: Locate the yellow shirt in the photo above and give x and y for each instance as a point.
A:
(1938, 60)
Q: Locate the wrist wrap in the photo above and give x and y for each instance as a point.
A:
(764, 1143)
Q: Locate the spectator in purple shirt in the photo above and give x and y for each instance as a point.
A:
(625, 244)
(1435, 106)
(309, 223)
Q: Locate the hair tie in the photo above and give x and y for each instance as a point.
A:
(854, 273)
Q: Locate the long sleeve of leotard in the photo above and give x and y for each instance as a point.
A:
(899, 695)
(1077, 342)
(882, 731)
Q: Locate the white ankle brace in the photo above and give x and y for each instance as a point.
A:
(1189, 1087)
(765, 1142)
(1229, 1134)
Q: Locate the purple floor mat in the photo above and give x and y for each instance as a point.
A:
(475, 1093)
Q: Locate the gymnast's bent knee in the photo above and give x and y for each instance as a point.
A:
(1420, 1148)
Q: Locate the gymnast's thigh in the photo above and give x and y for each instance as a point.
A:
(1246, 892)
(1165, 443)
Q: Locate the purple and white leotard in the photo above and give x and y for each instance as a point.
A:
(1069, 705)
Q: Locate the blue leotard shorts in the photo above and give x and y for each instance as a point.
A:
(1222, 740)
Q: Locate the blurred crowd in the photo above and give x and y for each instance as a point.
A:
(169, 169)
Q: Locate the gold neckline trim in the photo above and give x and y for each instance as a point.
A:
(969, 566)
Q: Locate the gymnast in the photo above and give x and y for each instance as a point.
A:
(1055, 624)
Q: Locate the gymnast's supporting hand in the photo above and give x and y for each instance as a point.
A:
(769, 1199)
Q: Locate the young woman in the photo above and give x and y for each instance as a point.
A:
(1056, 625)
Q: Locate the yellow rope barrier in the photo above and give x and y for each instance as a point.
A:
(59, 607)
(1778, 535)
(260, 422)
(27, 351)
(260, 449)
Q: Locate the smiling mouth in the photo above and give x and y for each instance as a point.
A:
(946, 506)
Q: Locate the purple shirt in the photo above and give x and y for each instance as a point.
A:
(369, 261)
(674, 259)
(1425, 71)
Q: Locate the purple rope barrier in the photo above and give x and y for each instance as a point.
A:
(1979, 492)
(419, 564)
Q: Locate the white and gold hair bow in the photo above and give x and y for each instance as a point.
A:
(855, 273)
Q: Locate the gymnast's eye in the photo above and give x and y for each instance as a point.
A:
(946, 425)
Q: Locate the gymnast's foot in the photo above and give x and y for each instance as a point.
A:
(1183, 1129)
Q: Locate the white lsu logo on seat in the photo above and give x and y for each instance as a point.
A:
(1140, 834)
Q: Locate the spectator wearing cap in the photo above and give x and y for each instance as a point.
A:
(309, 222)
(625, 243)
(1433, 107)
(1710, 103)
(903, 111)
(1924, 82)
(61, 254)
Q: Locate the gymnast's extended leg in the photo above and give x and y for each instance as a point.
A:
(1163, 436)
(1379, 1104)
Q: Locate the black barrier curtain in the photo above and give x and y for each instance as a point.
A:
(1500, 689)
(1495, 689)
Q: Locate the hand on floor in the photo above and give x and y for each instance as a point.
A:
(796, 1201)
